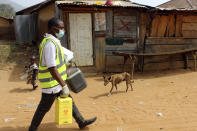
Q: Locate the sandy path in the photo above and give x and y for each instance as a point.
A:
(173, 94)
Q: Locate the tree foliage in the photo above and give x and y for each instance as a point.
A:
(6, 11)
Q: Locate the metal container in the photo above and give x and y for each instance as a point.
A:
(75, 80)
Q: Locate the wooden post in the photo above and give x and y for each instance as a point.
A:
(194, 57)
(185, 57)
(133, 59)
(125, 60)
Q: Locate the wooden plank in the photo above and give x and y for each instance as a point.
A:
(152, 53)
(116, 64)
(193, 42)
(142, 37)
(125, 26)
(109, 22)
(189, 26)
(170, 31)
(125, 48)
(167, 65)
(164, 66)
(164, 48)
(144, 20)
(189, 33)
(130, 40)
(160, 59)
(121, 34)
(143, 24)
(178, 26)
(100, 53)
(168, 41)
(171, 41)
(154, 26)
(138, 30)
(124, 12)
(88, 69)
(118, 68)
(162, 26)
(190, 19)
(112, 60)
(154, 66)
(131, 19)
(67, 29)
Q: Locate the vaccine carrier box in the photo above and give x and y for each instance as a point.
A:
(63, 110)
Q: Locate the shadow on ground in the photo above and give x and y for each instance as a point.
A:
(106, 94)
(20, 90)
(44, 127)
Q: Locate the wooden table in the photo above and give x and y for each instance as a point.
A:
(133, 56)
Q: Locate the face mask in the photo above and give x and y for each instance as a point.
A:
(60, 34)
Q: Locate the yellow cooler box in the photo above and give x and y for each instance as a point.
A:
(63, 110)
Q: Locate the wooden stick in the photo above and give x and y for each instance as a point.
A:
(185, 57)
(125, 60)
(133, 59)
(194, 57)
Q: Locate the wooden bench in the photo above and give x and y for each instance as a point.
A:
(133, 56)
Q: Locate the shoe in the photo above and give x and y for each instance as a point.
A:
(34, 87)
(32, 129)
(87, 122)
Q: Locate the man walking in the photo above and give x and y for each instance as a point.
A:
(52, 75)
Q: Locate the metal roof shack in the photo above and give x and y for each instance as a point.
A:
(123, 4)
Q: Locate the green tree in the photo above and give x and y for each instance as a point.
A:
(6, 11)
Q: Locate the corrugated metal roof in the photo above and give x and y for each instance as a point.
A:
(180, 4)
(175, 9)
(101, 4)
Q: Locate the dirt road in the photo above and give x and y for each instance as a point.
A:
(161, 101)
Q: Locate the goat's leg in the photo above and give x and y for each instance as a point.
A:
(127, 84)
(111, 89)
(116, 88)
(131, 86)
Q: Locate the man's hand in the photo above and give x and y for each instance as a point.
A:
(65, 91)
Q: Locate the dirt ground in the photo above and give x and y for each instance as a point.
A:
(161, 101)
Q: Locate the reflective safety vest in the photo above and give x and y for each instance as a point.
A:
(44, 76)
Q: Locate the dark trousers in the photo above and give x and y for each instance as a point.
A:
(44, 106)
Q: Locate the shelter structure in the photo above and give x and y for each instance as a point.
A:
(7, 29)
(95, 30)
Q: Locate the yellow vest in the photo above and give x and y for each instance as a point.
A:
(44, 76)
